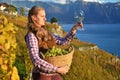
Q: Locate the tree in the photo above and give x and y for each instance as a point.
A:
(22, 11)
(54, 20)
(11, 8)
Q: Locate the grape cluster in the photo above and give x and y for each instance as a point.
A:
(55, 51)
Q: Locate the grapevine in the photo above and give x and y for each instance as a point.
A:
(7, 50)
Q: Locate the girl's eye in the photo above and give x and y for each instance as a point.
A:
(42, 16)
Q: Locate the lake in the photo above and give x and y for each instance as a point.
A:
(105, 36)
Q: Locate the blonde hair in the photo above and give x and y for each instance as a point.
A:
(45, 39)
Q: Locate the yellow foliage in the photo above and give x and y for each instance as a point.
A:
(15, 75)
(1, 62)
(2, 39)
(5, 61)
(12, 57)
(7, 45)
(14, 45)
(1, 26)
(7, 54)
(4, 67)
(8, 27)
(3, 19)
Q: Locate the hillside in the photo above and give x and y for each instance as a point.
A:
(89, 61)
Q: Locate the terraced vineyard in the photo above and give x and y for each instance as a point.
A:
(89, 61)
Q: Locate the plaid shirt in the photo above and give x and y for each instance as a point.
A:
(32, 44)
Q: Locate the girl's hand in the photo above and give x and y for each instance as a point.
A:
(77, 25)
(62, 70)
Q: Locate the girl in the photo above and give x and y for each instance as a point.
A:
(39, 39)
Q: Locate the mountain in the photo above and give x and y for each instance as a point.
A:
(94, 12)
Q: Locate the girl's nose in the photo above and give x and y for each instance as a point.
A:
(45, 18)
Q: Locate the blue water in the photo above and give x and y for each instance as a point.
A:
(105, 36)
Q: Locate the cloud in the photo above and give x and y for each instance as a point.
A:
(59, 1)
(91, 0)
(32, 0)
(100, 1)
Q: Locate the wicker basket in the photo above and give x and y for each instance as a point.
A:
(63, 60)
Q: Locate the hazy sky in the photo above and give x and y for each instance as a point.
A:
(104, 0)
(84, 0)
(63, 1)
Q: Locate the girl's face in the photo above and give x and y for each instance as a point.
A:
(40, 18)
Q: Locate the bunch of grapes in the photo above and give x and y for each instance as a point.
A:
(55, 51)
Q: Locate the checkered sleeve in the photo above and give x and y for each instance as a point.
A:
(64, 41)
(32, 44)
